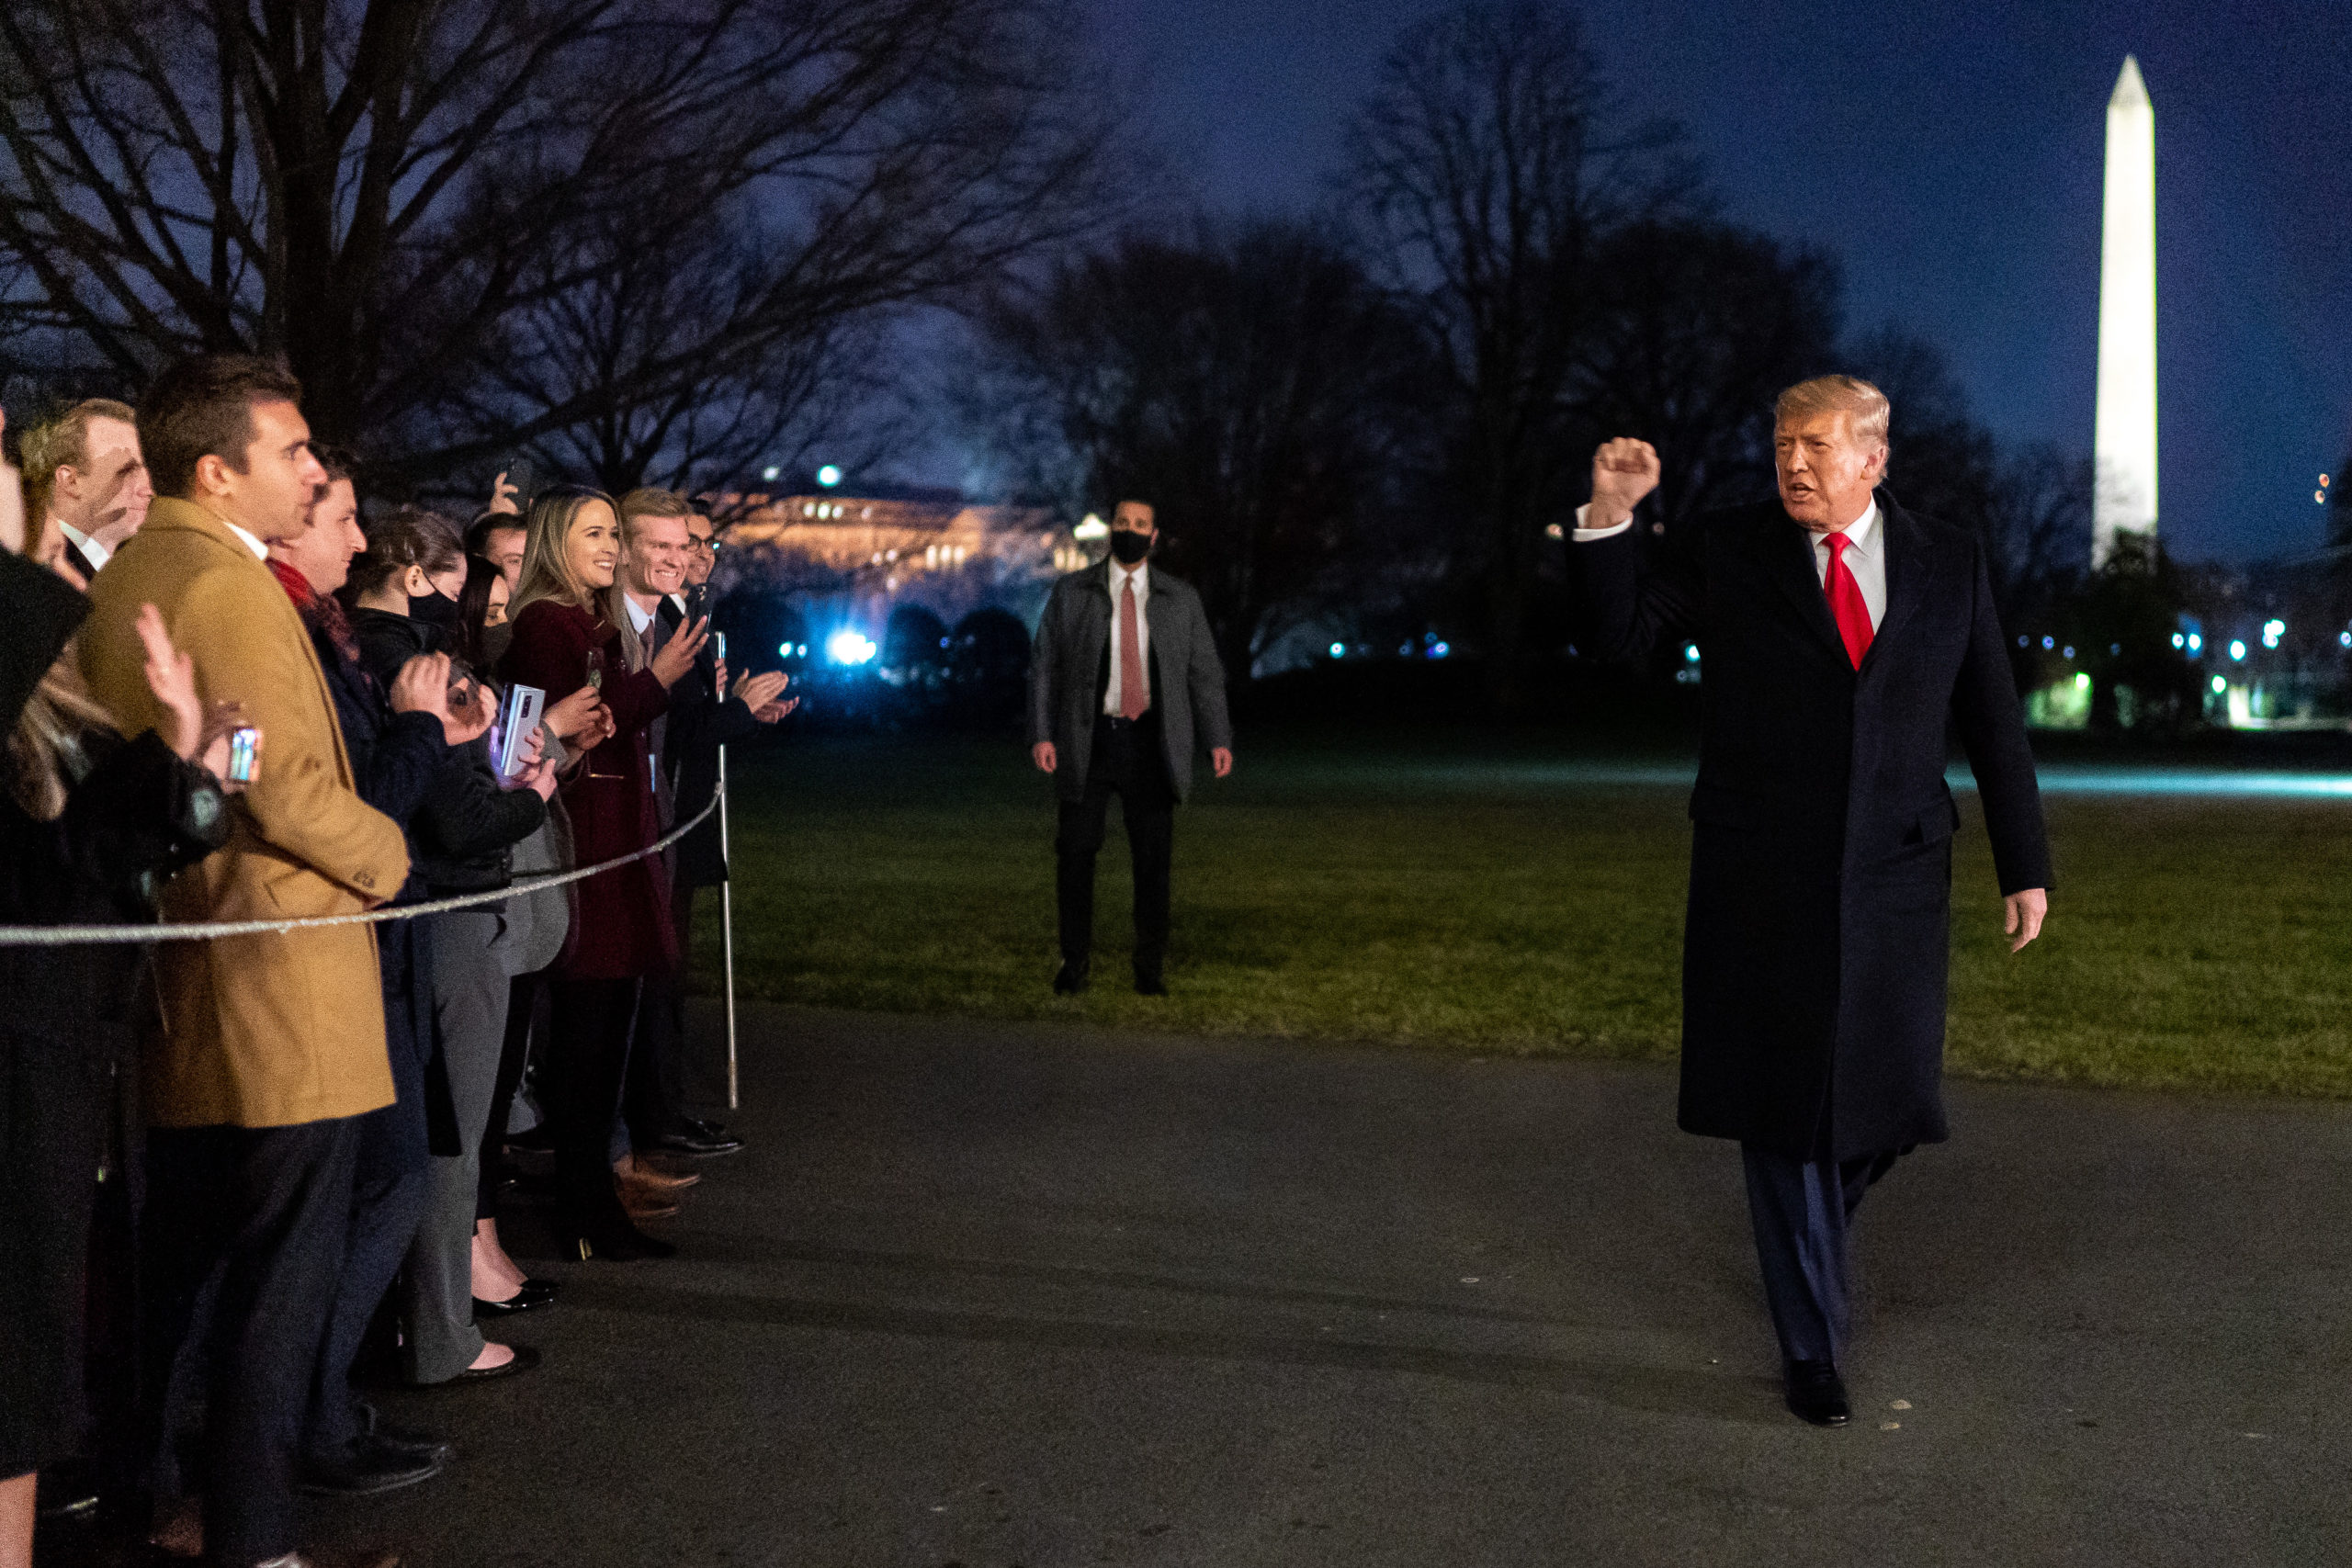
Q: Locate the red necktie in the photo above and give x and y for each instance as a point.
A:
(1846, 606)
(1132, 698)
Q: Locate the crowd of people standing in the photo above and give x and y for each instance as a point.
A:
(237, 1171)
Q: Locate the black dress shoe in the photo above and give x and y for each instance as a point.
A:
(403, 1439)
(1072, 976)
(524, 1359)
(698, 1145)
(1816, 1394)
(617, 1242)
(66, 1490)
(367, 1465)
(1149, 984)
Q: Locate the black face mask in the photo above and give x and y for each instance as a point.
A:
(1129, 545)
(435, 609)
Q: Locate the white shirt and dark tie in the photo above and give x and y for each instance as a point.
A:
(96, 554)
(1128, 692)
(1865, 549)
(650, 636)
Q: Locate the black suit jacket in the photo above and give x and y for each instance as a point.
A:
(702, 719)
(81, 562)
(1817, 941)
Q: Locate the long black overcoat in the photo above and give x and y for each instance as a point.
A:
(1817, 944)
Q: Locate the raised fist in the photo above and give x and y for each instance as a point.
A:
(1623, 472)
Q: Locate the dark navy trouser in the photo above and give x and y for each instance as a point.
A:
(1801, 1210)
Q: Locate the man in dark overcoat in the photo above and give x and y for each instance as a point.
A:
(1841, 639)
(1124, 682)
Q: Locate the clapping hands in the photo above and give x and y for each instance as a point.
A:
(760, 694)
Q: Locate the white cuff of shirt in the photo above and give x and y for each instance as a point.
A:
(1584, 535)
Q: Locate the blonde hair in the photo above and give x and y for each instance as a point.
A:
(547, 563)
(47, 749)
(1864, 405)
(63, 441)
(647, 502)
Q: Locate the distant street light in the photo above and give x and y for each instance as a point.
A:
(1091, 528)
(828, 476)
(771, 474)
(850, 646)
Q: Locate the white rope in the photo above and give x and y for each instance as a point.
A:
(208, 930)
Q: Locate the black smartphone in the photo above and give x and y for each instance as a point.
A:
(697, 602)
(245, 744)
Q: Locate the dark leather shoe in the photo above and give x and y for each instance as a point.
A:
(1149, 984)
(1816, 1394)
(524, 1359)
(367, 1465)
(622, 1243)
(1072, 976)
(697, 1144)
(403, 1439)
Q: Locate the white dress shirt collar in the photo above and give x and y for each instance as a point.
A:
(1862, 534)
(252, 541)
(96, 554)
(1123, 575)
(638, 619)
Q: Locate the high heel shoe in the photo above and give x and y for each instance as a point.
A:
(524, 1300)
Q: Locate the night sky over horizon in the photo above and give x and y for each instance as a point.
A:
(1950, 156)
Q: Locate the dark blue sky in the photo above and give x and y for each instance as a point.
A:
(1950, 156)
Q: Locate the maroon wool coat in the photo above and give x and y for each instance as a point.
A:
(623, 929)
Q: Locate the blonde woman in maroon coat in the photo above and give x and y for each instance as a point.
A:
(563, 640)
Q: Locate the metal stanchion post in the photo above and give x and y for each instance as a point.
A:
(727, 926)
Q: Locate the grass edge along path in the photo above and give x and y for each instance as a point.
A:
(1514, 901)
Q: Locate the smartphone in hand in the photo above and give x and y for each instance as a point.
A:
(245, 746)
(518, 715)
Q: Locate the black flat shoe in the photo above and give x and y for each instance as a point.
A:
(524, 1359)
(1816, 1394)
(1072, 976)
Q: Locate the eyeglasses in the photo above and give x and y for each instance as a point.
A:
(695, 542)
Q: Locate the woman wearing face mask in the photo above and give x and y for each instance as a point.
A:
(563, 635)
(464, 833)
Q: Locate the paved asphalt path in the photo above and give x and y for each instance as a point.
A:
(989, 1294)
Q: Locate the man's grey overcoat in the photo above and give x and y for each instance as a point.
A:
(1069, 669)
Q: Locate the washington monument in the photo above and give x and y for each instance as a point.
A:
(2124, 440)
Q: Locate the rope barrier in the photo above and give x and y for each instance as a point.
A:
(208, 930)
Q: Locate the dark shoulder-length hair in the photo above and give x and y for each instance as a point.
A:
(473, 611)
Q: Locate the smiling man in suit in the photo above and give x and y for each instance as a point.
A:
(1123, 677)
(1842, 639)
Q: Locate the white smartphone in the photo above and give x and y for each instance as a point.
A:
(518, 715)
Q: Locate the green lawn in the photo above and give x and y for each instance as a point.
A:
(1484, 896)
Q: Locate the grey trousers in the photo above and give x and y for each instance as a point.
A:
(469, 992)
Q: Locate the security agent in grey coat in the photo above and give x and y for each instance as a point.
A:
(1103, 721)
